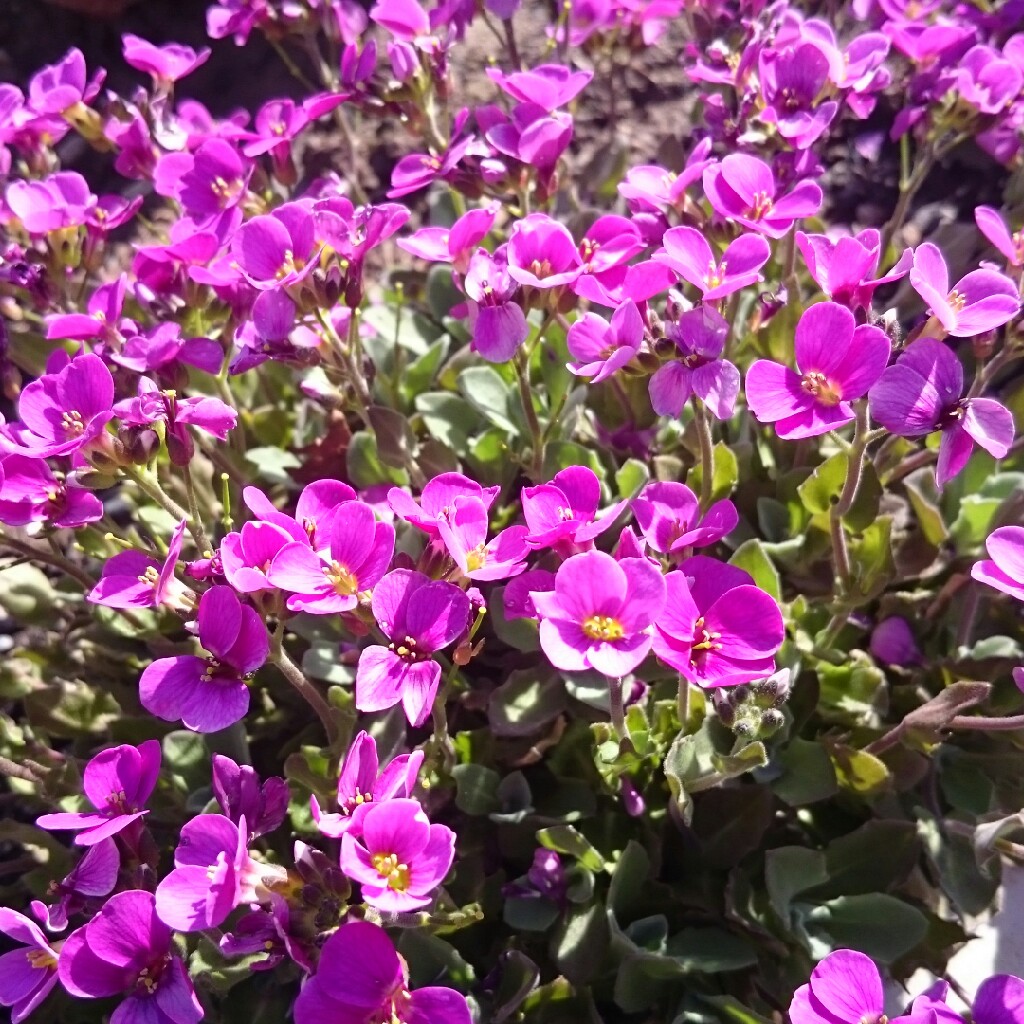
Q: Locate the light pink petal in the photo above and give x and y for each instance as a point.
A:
(990, 424)
(774, 392)
(824, 336)
(848, 985)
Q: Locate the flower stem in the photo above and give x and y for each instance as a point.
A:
(536, 434)
(305, 689)
(54, 558)
(618, 708)
(153, 489)
(193, 510)
(982, 723)
(848, 495)
(683, 703)
(707, 454)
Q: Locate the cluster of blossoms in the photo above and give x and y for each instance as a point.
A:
(443, 507)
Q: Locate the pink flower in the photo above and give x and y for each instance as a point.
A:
(668, 515)
(166, 64)
(399, 857)
(600, 614)
(437, 499)
(419, 617)
(686, 251)
(542, 253)
(1004, 568)
(994, 228)
(27, 974)
(843, 268)
(717, 629)
(463, 530)
(133, 580)
(547, 86)
(563, 513)
(844, 988)
(837, 362)
(600, 348)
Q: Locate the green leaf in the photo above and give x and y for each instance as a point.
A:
(629, 879)
(476, 788)
(710, 950)
(566, 839)
(822, 488)
(559, 455)
(876, 924)
(581, 943)
(364, 464)
(789, 871)
(858, 771)
(535, 914)
(725, 473)
(873, 858)
(485, 390)
(449, 418)
(929, 516)
(630, 477)
(807, 775)
(394, 437)
(526, 702)
(752, 557)
(272, 464)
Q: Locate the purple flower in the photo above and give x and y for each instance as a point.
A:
(842, 268)
(241, 797)
(980, 301)
(687, 252)
(563, 513)
(312, 510)
(279, 249)
(999, 1000)
(517, 598)
(419, 617)
(922, 392)
(438, 499)
(361, 786)
(837, 361)
(207, 694)
(58, 87)
(892, 642)
(994, 228)
(844, 988)
(1004, 568)
(213, 873)
(399, 858)
(547, 86)
(66, 411)
(988, 81)
(542, 253)
(361, 977)
(58, 202)
(455, 245)
(358, 555)
(700, 335)
(248, 554)
(127, 949)
(600, 348)
(102, 316)
(26, 975)
(599, 615)
(742, 188)
(792, 79)
(133, 580)
(30, 492)
(93, 876)
(717, 629)
(166, 64)
(208, 184)
(463, 530)
(118, 782)
(498, 323)
(668, 515)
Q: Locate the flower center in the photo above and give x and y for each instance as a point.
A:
(42, 959)
(565, 515)
(540, 268)
(150, 576)
(225, 191)
(821, 388)
(704, 640)
(476, 558)
(715, 275)
(603, 627)
(762, 206)
(149, 977)
(72, 422)
(395, 874)
(952, 414)
(407, 649)
(349, 806)
(343, 581)
(956, 300)
(117, 803)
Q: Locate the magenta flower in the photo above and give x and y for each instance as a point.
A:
(207, 694)
(742, 188)
(66, 411)
(498, 323)
(844, 988)
(279, 249)
(361, 978)
(213, 873)
(542, 253)
(133, 580)
(837, 361)
(1004, 568)
(994, 228)
(668, 514)
(166, 64)
(600, 614)
(56, 88)
(892, 642)
(419, 617)
(792, 79)
(361, 786)
(843, 268)
(609, 243)
(26, 975)
(208, 184)
(30, 492)
(437, 499)
(548, 86)
(455, 245)
(700, 335)
(600, 348)
(358, 555)
(248, 554)
(127, 949)
(563, 513)
(999, 1000)
(717, 629)
(980, 301)
(463, 530)
(118, 782)
(517, 598)
(922, 392)
(312, 510)
(60, 201)
(93, 876)
(101, 318)
(399, 858)
(242, 797)
(687, 252)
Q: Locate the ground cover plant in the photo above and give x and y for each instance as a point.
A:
(546, 579)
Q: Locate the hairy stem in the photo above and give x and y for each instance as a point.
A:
(707, 454)
(536, 434)
(617, 706)
(305, 689)
(193, 510)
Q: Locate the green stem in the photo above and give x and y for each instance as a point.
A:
(53, 558)
(526, 398)
(617, 706)
(153, 490)
(683, 703)
(305, 689)
(193, 510)
(707, 454)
